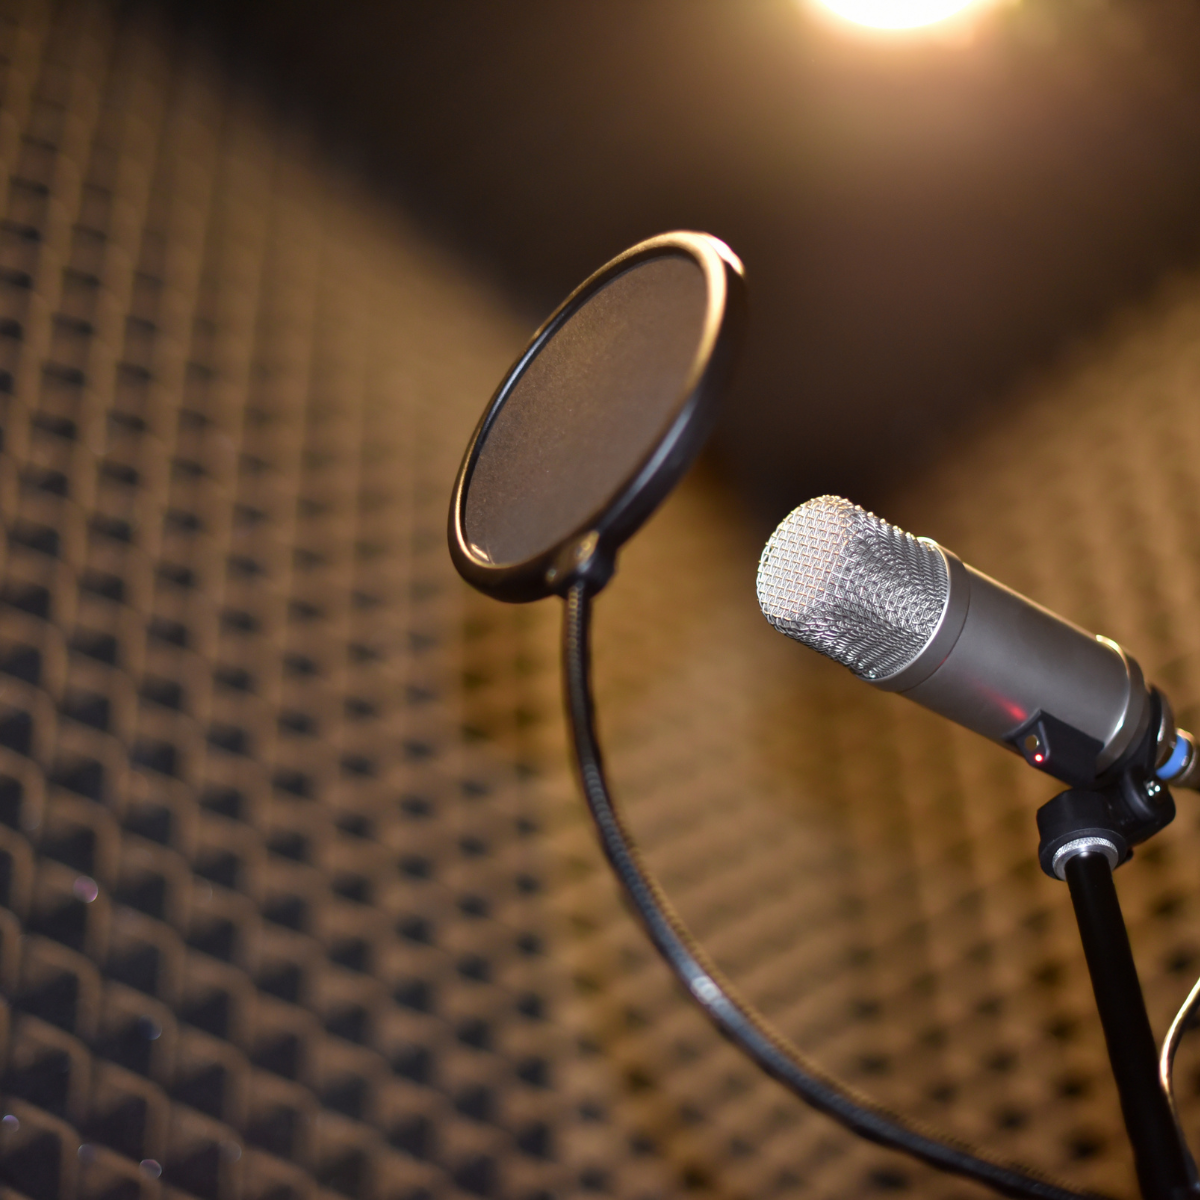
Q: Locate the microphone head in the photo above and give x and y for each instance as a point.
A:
(852, 587)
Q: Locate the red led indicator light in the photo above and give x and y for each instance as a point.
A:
(1039, 758)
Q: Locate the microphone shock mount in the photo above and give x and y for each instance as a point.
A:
(1116, 812)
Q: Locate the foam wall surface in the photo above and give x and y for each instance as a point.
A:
(296, 897)
(269, 926)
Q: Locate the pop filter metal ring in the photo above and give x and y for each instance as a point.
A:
(733, 1016)
(588, 551)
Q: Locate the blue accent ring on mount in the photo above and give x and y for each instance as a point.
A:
(1175, 763)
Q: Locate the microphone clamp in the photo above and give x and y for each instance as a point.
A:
(1110, 818)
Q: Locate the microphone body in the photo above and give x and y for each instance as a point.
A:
(1002, 665)
(909, 617)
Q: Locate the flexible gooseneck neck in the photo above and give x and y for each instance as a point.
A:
(731, 1014)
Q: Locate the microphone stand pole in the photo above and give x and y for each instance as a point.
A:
(1085, 856)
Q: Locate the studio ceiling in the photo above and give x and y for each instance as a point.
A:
(924, 220)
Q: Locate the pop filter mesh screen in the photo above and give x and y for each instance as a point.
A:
(296, 896)
(590, 407)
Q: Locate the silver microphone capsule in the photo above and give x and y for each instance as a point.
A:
(908, 616)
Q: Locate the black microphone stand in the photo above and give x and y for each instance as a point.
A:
(1085, 836)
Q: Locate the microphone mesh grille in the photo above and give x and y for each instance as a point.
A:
(851, 586)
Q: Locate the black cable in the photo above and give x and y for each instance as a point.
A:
(732, 1015)
(1184, 1021)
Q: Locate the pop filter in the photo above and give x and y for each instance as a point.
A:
(598, 418)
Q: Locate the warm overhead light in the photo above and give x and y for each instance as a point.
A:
(899, 14)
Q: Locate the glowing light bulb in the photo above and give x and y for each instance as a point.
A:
(899, 14)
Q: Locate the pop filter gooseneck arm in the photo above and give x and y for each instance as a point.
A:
(732, 1015)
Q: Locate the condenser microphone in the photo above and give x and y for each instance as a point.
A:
(907, 616)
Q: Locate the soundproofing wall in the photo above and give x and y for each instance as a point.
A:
(298, 901)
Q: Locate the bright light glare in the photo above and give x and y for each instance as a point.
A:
(899, 14)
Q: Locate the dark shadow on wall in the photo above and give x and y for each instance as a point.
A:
(923, 220)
